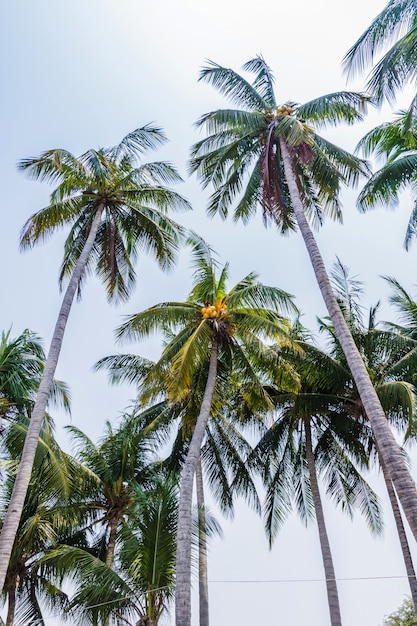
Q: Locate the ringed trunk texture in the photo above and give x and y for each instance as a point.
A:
(183, 559)
(387, 446)
(405, 548)
(331, 585)
(202, 548)
(113, 524)
(14, 512)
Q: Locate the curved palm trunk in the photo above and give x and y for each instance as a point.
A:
(332, 593)
(405, 548)
(14, 512)
(202, 548)
(387, 446)
(183, 560)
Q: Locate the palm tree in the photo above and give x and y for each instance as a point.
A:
(212, 326)
(396, 144)
(114, 207)
(223, 453)
(315, 436)
(292, 172)
(391, 360)
(394, 28)
(138, 588)
(22, 361)
(117, 463)
(46, 518)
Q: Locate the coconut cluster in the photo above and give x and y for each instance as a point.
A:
(213, 310)
(284, 110)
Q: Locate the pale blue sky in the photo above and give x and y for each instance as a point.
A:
(82, 74)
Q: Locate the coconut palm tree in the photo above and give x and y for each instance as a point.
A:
(213, 326)
(114, 206)
(269, 155)
(138, 586)
(45, 520)
(314, 438)
(117, 463)
(391, 360)
(394, 33)
(223, 453)
(22, 360)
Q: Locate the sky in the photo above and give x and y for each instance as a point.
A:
(83, 74)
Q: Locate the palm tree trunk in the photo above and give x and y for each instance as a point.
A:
(11, 603)
(405, 548)
(183, 559)
(332, 593)
(113, 524)
(202, 548)
(387, 446)
(14, 512)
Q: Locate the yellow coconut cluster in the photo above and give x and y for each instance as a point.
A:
(213, 310)
(284, 110)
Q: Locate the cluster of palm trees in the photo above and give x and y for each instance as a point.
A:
(115, 521)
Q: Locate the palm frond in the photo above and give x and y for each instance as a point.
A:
(233, 86)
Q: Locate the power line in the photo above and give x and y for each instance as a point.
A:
(312, 580)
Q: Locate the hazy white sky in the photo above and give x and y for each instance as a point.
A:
(84, 73)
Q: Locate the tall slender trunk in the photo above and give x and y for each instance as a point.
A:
(183, 560)
(111, 545)
(113, 524)
(202, 548)
(387, 446)
(331, 585)
(14, 512)
(11, 600)
(405, 548)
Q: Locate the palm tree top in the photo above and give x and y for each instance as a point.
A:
(248, 314)
(241, 156)
(133, 197)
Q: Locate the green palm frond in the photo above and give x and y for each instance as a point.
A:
(333, 108)
(122, 368)
(389, 140)
(264, 79)
(193, 355)
(55, 166)
(164, 315)
(396, 17)
(385, 185)
(137, 142)
(395, 68)
(41, 225)
(406, 307)
(235, 87)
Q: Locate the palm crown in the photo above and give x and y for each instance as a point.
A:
(211, 314)
(244, 147)
(133, 199)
